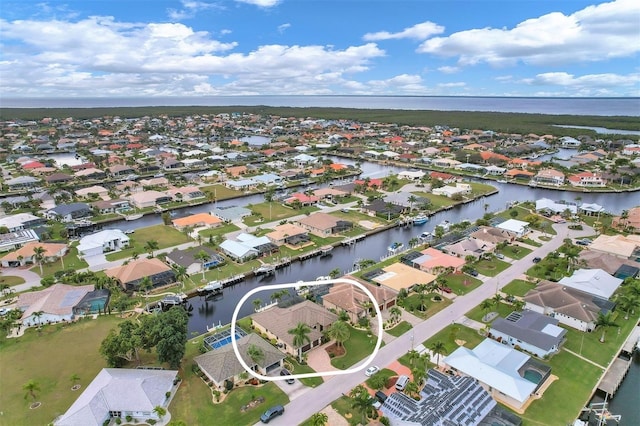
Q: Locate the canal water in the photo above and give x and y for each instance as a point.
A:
(626, 401)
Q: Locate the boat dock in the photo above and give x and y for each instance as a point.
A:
(352, 240)
(618, 369)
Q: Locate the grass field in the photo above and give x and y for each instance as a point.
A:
(518, 287)
(166, 236)
(503, 309)
(515, 251)
(10, 280)
(491, 268)
(50, 358)
(437, 201)
(276, 211)
(400, 328)
(359, 346)
(412, 304)
(461, 283)
(71, 261)
(450, 334)
(221, 192)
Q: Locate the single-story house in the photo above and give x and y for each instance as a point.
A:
(232, 213)
(26, 254)
(469, 247)
(518, 227)
(450, 191)
(100, 242)
(433, 261)
(352, 300)
(493, 235)
(238, 251)
(55, 304)
(398, 276)
(89, 173)
(198, 220)
(241, 184)
(382, 208)
(17, 239)
(121, 392)
(545, 204)
(111, 206)
(145, 199)
(21, 182)
(288, 233)
(415, 175)
(221, 364)
(130, 275)
(499, 369)
(276, 323)
(69, 212)
(100, 191)
(531, 331)
(569, 306)
(592, 281)
(618, 245)
(187, 258)
(20, 221)
(186, 193)
(324, 224)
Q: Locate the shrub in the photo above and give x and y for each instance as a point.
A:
(167, 394)
(216, 393)
(385, 421)
(128, 418)
(118, 420)
(152, 421)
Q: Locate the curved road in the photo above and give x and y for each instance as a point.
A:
(314, 400)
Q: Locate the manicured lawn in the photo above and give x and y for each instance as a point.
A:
(450, 334)
(301, 369)
(480, 188)
(401, 328)
(461, 283)
(71, 261)
(530, 242)
(515, 251)
(50, 358)
(221, 192)
(343, 405)
(166, 236)
(565, 397)
(518, 287)
(503, 309)
(277, 211)
(491, 268)
(10, 280)
(359, 346)
(385, 372)
(412, 304)
(437, 201)
(218, 231)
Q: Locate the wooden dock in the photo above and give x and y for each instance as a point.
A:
(352, 240)
(618, 369)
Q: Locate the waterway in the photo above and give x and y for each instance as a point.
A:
(626, 401)
(601, 130)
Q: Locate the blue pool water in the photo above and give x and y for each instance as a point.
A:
(533, 376)
(223, 338)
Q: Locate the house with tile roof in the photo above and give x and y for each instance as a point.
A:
(324, 224)
(493, 235)
(198, 220)
(276, 322)
(221, 364)
(351, 299)
(26, 255)
(288, 233)
(130, 275)
(586, 179)
(55, 304)
(121, 392)
(398, 276)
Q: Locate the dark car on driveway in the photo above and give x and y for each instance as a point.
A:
(271, 413)
(536, 259)
(289, 380)
(473, 273)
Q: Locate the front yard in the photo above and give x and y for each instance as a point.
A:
(453, 336)
(461, 283)
(413, 305)
(515, 251)
(491, 268)
(70, 261)
(518, 287)
(399, 329)
(359, 346)
(165, 236)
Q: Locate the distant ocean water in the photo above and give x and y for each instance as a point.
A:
(555, 106)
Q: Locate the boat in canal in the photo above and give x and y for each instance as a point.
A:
(420, 219)
(395, 247)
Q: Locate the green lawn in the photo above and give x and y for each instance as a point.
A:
(503, 309)
(343, 405)
(478, 188)
(437, 201)
(277, 211)
(301, 369)
(166, 236)
(50, 358)
(565, 397)
(491, 268)
(530, 242)
(385, 372)
(10, 280)
(400, 328)
(518, 287)
(70, 260)
(221, 192)
(359, 346)
(515, 251)
(461, 283)
(225, 228)
(450, 334)
(412, 304)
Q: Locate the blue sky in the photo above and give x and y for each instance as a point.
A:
(147, 48)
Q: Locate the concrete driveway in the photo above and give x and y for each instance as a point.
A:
(31, 279)
(293, 390)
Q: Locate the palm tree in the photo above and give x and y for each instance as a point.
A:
(497, 298)
(145, 284)
(519, 304)
(38, 256)
(335, 273)
(395, 313)
(32, 388)
(605, 321)
(319, 419)
(202, 256)
(300, 336)
(438, 348)
(339, 331)
(412, 389)
(413, 356)
(486, 305)
(256, 354)
(256, 304)
(151, 246)
(361, 401)
(180, 273)
(628, 303)
(160, 411)
(37, 315)
(411, 199)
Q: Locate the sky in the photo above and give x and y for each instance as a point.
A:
(158, 48)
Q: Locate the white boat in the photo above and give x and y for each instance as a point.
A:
(501, 181)
(445, 225)
(420, 219)
(211, 286)
(426, 236)
(395, 247)
(133, 216)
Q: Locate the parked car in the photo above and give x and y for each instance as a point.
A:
(536, 259)
(372, 370)
(380, 396)
(583, 242)
(499, 255)
(446, 289)
(473, 273)
(285, 372)
(271, 413)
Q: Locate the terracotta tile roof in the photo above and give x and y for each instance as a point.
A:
(137, 269)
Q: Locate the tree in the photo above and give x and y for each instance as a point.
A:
(439, 232)
(413, 356)
(412, 199)
(160, 411)
(605, 321)
(339, 331)
(319, 419)
(123, 346)
(31, 389)
(377, 381)
(37, 315)
(256, 354)
(256, 304)
(412, 389)
(519, 304)
(395, 313)
(438, 348)
(497, 298)
(628, 303)
(300, 336)
(181, 273)
(170, 336)
(202, 256)
(38, 256)
(361, 401)
(146, 284)
(151, 246)
(486, 305)
(335, 273)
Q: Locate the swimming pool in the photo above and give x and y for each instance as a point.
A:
(223, 338)
(533, 376)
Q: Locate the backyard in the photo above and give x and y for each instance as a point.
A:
(165, 236)
(274, 211)
(518, 287)
(437, 201)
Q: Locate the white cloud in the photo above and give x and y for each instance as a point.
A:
(589, 81)
(456, 84)
(449, 69)
(420, 31)
(596, 33)
(190, 8)
(261, 3)
(282, 28)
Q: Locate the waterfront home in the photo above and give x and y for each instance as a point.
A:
(111, 206)
(121, 393)
(398, 276)
(26, 254)
(630, 221)
(550, 206)
(352, 300)
(586, 179)
(199, 220)
(16, 239)
(69, 212)
(190, 259)
(449, 191)
(276, 322)
(231, 213)
(104, 241)
(530, 331)
(518, 227)
(241, 184)
(20, 221)
(51, 305)
(493, 235)
(236, 171)
(433, 261)
(156, 182)
(100, 191)
(302, 198)
(444, 177)
(380, 207)
(569, 142)
(450, 400)
(625, 247)
(502, 371)
(324, 224)
(130, 276)
(145, 199)
(469, 247)
(21, 182)
(550, 177)
(592, 281)
(569, 306)
(89, 173)
(186, 193)
(289, 234)
(58, 178)
(120, 170)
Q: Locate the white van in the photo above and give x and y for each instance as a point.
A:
(401, 383)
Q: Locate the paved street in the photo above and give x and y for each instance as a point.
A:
(316, 399)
